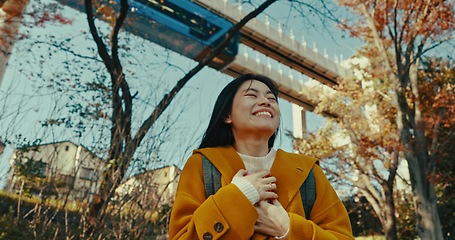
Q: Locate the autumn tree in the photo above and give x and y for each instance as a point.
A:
(11, 16)
(400, 33)
(436, 84)
(11, 13)
(360, 147)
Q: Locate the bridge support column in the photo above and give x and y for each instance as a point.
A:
(298, 121)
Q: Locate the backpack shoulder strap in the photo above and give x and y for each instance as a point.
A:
(212, 177)
(308, 193)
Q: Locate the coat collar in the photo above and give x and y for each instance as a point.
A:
(289, 169)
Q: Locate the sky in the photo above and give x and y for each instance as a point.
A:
(26, 103)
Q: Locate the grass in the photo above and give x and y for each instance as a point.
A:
(11, 199)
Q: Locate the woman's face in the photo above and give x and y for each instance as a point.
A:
(254, 110)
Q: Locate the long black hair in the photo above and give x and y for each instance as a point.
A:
(218, 132)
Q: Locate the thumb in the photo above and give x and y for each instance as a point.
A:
(276, 203)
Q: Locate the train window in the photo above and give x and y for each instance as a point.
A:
(199, 27)
(184, 27)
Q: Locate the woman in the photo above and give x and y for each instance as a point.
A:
(259, 197)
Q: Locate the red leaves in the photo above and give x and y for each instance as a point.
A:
(406, 19)
(45, 17)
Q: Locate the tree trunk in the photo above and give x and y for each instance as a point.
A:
(390, 224)
(415, 147)
(384, 208)
(428, 225)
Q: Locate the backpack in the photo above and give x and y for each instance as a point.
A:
(212, 182)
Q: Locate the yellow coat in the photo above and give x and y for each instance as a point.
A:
(228, 214)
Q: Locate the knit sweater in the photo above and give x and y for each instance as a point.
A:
(253, 164)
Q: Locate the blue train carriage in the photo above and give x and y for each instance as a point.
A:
(184, 27)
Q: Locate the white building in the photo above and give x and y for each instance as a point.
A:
(152, 188)
(55, 170)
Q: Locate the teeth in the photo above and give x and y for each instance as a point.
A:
(263, 113)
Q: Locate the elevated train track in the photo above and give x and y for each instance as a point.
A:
(263, 38)
(273, 43)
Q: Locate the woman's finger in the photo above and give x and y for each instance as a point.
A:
(276, 203)
(267, 195)
(241, 173)
(262, 174)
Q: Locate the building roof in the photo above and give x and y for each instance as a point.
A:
(59, 143)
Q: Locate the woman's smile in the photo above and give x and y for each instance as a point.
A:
(263, 113)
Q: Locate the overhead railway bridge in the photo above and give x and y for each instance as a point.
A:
(193, 27)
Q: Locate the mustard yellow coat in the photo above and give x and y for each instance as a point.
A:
(228, 214)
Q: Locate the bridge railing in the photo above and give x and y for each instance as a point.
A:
(284, 48)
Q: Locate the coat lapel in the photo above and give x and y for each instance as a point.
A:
(290, 171)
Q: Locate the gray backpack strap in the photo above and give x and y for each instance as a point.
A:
(212, 177)
(308, 193)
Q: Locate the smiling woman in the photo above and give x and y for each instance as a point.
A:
(259, 194)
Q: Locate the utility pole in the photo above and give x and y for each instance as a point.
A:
(11, 14)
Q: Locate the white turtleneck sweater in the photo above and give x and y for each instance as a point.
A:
(253, 164)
